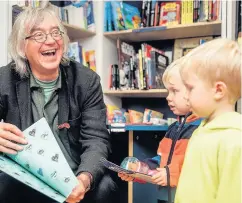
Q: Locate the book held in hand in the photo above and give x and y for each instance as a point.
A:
(116, 168)
(41, 165)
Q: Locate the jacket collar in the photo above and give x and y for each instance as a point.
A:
(24, 102)
(24, 98)
(189, 118)
(64, 95)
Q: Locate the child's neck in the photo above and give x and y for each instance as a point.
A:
(221, 109)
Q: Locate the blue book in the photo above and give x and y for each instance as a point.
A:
(74, 52)
(90, 16)
(109, 16)
(118, 19)
(105, 20)
(131, 15)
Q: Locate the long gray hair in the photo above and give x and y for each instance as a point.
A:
(26, 21)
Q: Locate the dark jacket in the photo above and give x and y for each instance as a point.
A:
(172, 148)
(80, 104)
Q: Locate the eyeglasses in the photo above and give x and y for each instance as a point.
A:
(41, 37)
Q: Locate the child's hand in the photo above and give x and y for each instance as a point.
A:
(160, 178)
(125, 177)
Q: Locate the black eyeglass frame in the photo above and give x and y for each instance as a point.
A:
(33, 36)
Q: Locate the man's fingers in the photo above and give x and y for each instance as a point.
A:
(74, 200)
(10, 145)
(12, 128)
(77, 194)
(8, 135)
(7, 151)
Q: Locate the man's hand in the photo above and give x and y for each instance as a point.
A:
(10, 137)
(80, 190)
(160, 178)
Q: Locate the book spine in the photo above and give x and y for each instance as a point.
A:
(90, 16)
(148, 14)
(105, 20)
(109, 16)
(141, 76)
(152, 12)
(143, 13)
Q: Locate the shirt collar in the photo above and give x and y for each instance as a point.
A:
(34, 84)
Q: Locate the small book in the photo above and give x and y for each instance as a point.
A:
(41, 165)
(114, 167)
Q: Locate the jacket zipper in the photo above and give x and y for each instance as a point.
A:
(178, 131)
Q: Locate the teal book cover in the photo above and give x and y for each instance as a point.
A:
(118, 19)
(41, 165)
(131, 15)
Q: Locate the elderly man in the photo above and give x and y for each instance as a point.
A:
(40, 82)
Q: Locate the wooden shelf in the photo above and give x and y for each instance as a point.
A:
(75, 32)
(168, 32)
(141, 127)
(152, 93)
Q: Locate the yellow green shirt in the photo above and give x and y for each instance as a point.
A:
(211, 171)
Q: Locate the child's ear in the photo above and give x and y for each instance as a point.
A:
(220, 90)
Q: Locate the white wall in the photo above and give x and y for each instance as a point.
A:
(4, 29)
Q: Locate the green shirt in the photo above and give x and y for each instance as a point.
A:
(44, 102)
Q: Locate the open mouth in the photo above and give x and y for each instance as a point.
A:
(49, 52)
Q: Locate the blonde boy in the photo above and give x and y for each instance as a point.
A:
(211, 171)
(172, 147)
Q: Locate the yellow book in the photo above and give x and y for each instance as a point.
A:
(190, 19)
(186, 11)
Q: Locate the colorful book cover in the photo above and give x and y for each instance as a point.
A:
(90, 58)
(125, 51)
(131, 16)
(118, 169)
(117, 16)
(74, 52)
(170, 13)
(159, 62)
(204, 11)
(41, 165)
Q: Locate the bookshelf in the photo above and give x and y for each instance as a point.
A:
(167, 32)
(152, 93)
(138, 128)
(75, 32)
(120, 98)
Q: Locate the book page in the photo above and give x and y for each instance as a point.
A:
(43, 158)
(21, 174)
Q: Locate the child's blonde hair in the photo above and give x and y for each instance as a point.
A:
(216, 60)
(171, 70)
